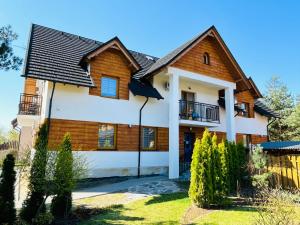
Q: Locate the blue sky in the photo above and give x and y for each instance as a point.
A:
(262, 35)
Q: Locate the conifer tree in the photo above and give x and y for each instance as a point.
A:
(34, 204)
(64, 180)
(216, 171)
(7, 191)
(241, 159)
(201, 188)
(224, 177)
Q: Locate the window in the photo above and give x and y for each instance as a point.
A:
(149, 138)
(107, 136)
(247, 140)
(245, 109)
(206, 59)
(109, 87)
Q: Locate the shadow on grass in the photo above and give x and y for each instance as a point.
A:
(111, 215)
(242, 208)
(167, 198)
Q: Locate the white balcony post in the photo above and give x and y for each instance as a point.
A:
(229, 106)
(173, 126)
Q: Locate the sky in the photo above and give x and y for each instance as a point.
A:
(262, 35)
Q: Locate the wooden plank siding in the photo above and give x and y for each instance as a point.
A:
(246, 97)
(30, 86)
(220, 67)
(111, 63)
(258, 139)
(85, 135)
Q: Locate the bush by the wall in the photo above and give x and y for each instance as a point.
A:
(34, 203)
(7, 191)
(63, 180)
(215, 170)
(201, 188)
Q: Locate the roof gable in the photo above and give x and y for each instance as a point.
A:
(176, 54)
(113, 43)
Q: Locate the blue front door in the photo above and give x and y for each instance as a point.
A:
(189, 140)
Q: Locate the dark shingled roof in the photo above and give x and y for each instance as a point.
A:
(281, 145)
(55, 55)
(264, 110)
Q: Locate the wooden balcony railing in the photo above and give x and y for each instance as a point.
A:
(189, 110)
(29, 104)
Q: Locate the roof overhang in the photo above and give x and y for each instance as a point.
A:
(254, 88)
(114, 43)
(137, 87)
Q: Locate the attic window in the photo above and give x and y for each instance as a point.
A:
(206, 59)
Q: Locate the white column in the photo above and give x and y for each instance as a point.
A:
(229, 107)
(173, 126)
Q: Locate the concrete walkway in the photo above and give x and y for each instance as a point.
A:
(145, 186)
(135, 187)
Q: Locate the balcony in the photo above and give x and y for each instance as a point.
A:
(198, 112)
(29, 104)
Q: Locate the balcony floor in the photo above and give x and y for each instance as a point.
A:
(195, 123)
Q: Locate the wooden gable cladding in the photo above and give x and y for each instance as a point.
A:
(30, 86)
(220, 67)
(111, 63)
(246, 97)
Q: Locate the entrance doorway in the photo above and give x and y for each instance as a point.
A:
(189, 140)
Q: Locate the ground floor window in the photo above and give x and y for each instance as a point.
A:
(148, 138)
(107, 136)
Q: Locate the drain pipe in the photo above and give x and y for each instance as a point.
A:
(50, 109)
(268, 135)
(140, 137)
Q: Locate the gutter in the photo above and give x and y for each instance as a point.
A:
(140, 137)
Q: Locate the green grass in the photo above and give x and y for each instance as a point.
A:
(164, 209)
(171, 209)
(236, 216)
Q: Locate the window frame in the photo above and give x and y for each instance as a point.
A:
(206, 58)
(155, 139)
(247, 106)
(114, 147)
(117, 86)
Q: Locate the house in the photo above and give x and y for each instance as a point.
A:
(130, 112)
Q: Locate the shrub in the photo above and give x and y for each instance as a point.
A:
(63, 180)
(215, 170)
(277, 207)
(45, 218)
(201, 188)
(224, 176)
(7, 191)
(258, 161)
(34, 203)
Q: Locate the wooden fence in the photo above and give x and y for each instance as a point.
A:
(285, 170)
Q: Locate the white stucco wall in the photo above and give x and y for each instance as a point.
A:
(75, 103)
(112, 163)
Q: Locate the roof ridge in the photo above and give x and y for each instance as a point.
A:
(92, 40)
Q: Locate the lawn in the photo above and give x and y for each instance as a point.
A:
(170, 209)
